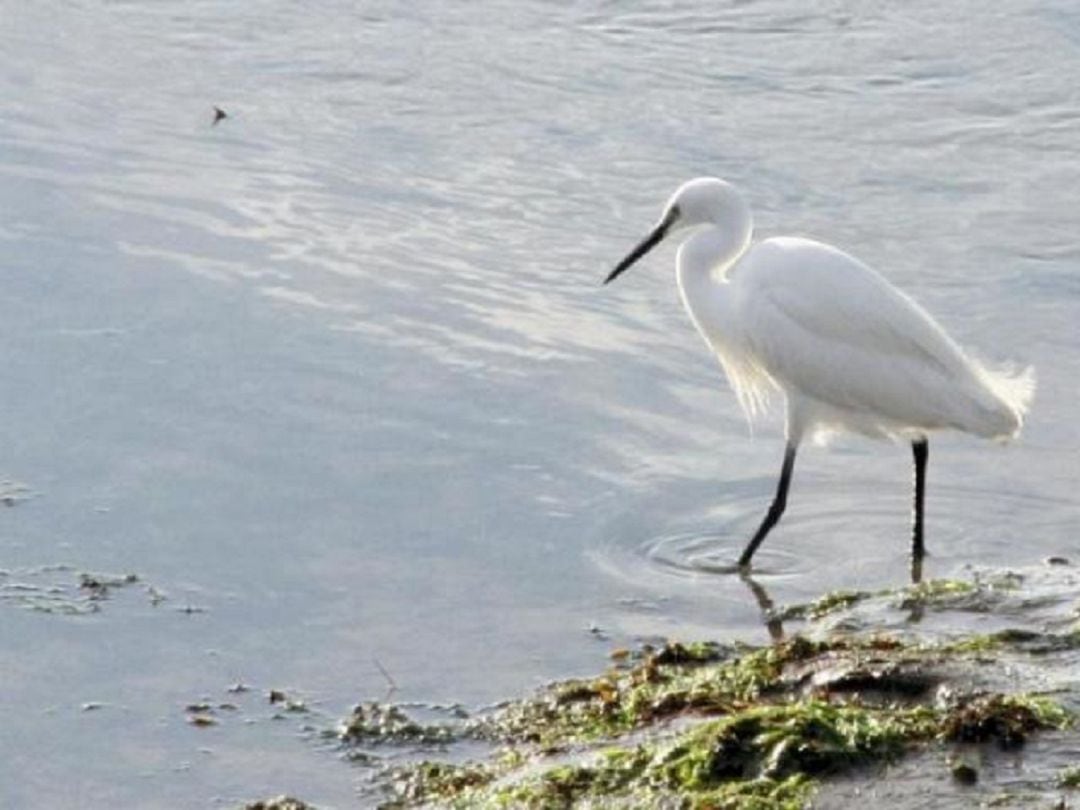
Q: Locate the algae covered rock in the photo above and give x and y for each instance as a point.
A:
(709, 725)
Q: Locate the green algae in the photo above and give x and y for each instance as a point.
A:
(1070, 778)
(708, 725)
(1017, 639)
(936, 593)
(663, 684)
(978, 644)
(829, 603)
(429, 781)
(934, 589)
(941, 594)
(763, 756)
(766, 756)
(809, 738)
(709, 731)
(626, 785)
(694, 652)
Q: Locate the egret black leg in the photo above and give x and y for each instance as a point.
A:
(775, 510)
(921, 450)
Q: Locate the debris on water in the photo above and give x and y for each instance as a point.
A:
(387, 723)
(286, 703)
(963, 773)
(12, 493)
(98, 585)
(238, 688)
(219, 116)
(280, 803)
(201, 714)
(696, 652)
(358, 757)
(59, 590)
(637, 603)
(92, 706)
(1056, 561)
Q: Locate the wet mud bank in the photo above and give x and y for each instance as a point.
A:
(953, 692)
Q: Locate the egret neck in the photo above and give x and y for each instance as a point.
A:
(703, 263)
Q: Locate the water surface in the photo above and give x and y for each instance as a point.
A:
(337, 379)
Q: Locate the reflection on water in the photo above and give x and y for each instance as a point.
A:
(338, 371)
(773, 623)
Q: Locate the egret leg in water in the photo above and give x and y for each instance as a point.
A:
(772, 517)
(845, 348)
(921, 450)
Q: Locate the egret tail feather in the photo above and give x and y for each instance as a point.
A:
(1013, 390)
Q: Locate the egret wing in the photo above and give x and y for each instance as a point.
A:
(828, 327)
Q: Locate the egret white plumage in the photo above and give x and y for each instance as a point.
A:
(847, 350)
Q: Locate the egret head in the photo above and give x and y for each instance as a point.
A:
(701, 201)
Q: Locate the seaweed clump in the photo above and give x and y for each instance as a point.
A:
(279, 803)
(440, 781)
(1004, 719)
(386, 723)
(673, 680)
(714, 729)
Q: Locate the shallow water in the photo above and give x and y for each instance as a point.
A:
(337, 379)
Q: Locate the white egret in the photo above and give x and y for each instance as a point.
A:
(846, 349)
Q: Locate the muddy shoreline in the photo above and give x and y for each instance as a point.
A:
(861, 695)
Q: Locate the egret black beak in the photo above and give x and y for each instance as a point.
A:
(645, 245)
